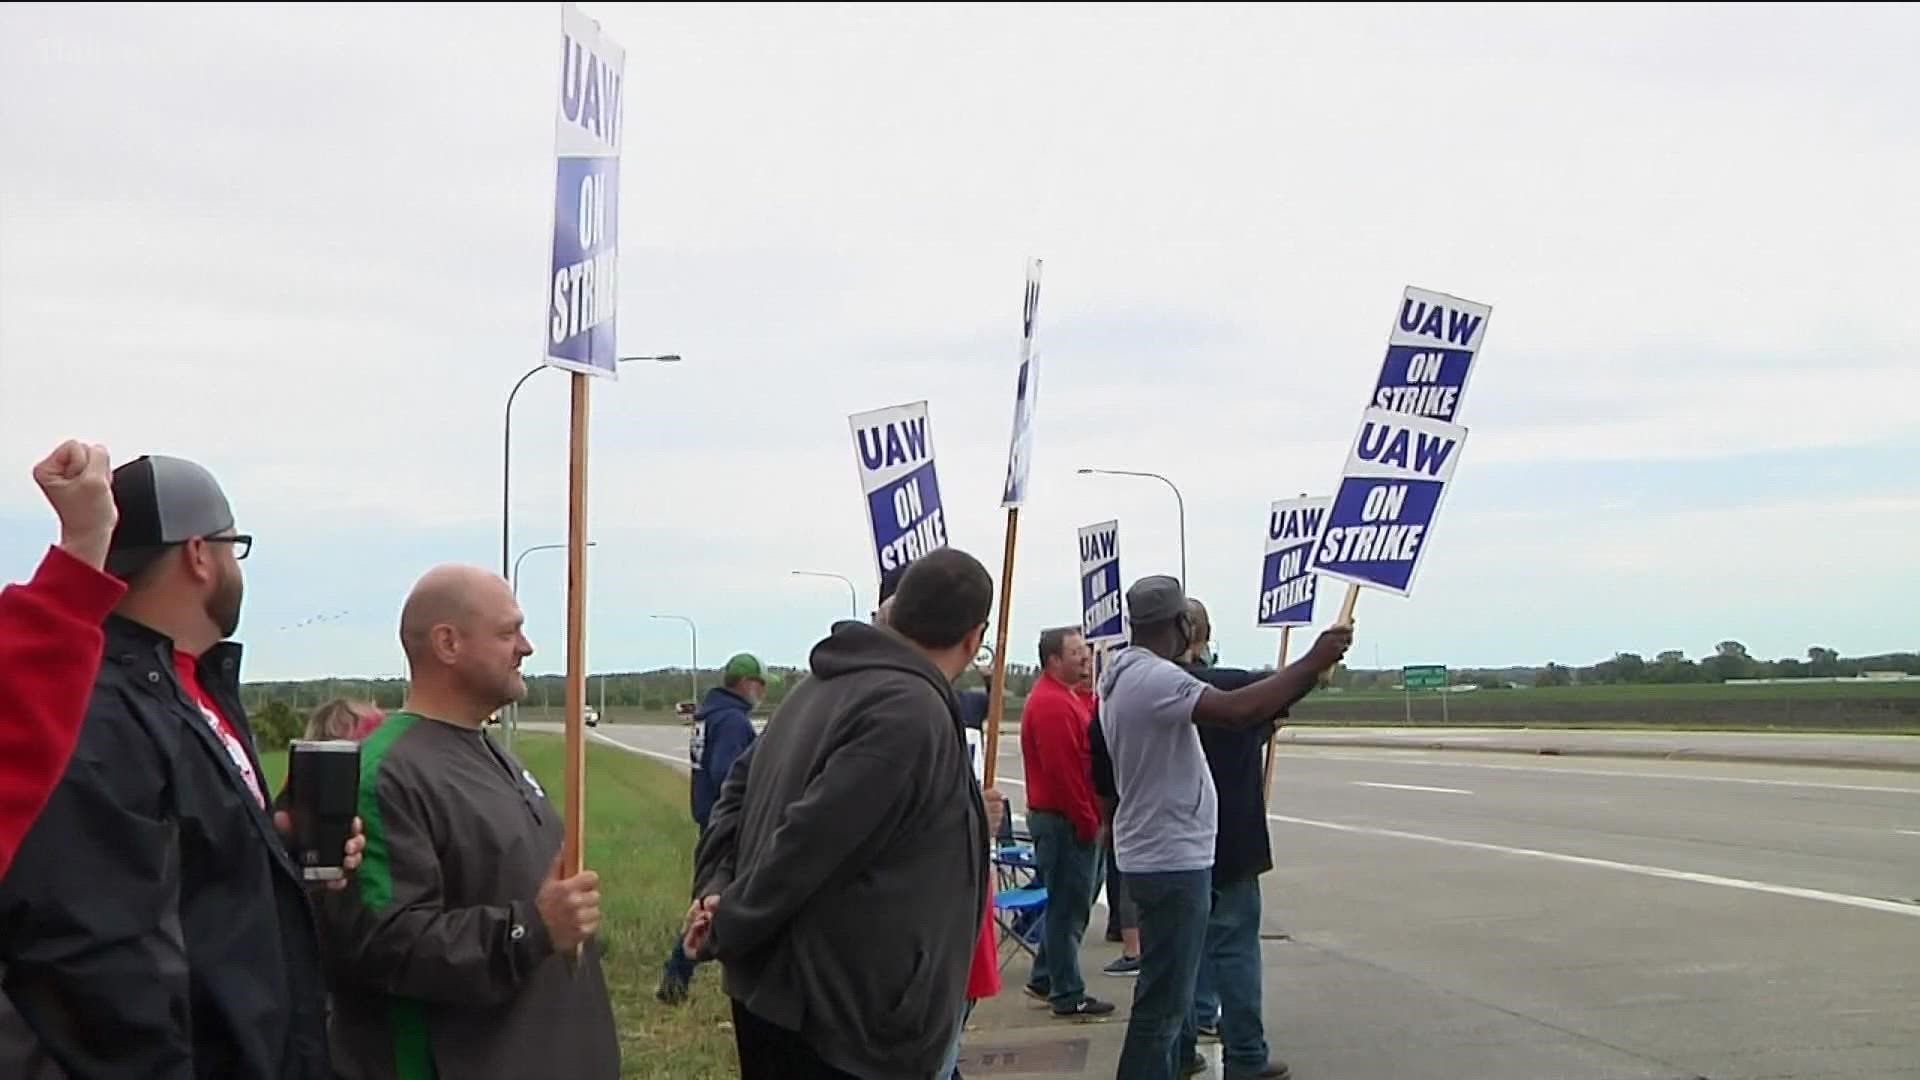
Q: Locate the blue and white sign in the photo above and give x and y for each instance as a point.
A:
(1026, 393)
(583, 273)
(1430, 354)
(1100, 582)
(894, 449)
(1382, 516)
(1286, 588)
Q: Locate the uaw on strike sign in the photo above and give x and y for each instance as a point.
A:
(583, 275)
(1403, 458)
(894, 450)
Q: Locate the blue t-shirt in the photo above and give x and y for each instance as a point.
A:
(1169, 812)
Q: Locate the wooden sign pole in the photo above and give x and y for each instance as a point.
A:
(1266, 785)
(573, 854)
(997, 689)
(1346, 609)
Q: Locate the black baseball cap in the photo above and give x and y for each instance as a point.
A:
(163, 501)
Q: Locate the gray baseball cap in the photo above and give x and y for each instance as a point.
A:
(1155, 599)
(162, 501)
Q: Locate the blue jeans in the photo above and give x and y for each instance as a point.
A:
(1173, 933)
(952, 1067)
(1229, 985)
(1068, 866)
(680, 965)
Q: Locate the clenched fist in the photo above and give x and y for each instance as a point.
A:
(569, 906)
(77, 479)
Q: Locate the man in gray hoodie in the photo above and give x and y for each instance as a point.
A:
(842, 878)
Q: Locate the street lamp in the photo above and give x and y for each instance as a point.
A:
(513, 709)
(853, 596)
(1178, 501)
(515, 577)
(506, 443)
(695, 631)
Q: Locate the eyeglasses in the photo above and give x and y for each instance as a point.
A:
(242, 543)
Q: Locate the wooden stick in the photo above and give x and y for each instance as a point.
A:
(573, 854)
(997, 688)
(1266, 784)
(1346, 609)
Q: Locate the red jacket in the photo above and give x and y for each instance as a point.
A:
(50, 643)
(1058, 760)
(983, 977)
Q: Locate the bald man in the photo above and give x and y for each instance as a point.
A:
(452, 957)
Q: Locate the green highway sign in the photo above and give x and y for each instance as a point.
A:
(1424, 677)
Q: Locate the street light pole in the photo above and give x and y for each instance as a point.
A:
(853, 595)
(506, 451)
(513, 579)
(695, 632)
(1179, 503)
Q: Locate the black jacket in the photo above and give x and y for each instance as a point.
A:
(152, 924)
(442, 964)
(1237, 760)
(849, 851)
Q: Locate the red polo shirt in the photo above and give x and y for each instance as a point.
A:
(1059, 762)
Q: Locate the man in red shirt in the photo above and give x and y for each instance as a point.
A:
(1063, 817)
(50, 638)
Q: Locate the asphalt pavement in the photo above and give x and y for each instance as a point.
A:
(1487, 916)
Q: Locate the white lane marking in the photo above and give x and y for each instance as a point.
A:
(1009, 780)
(1412, 787)
(1908, 832)
(1393, 758)
(1867, 903)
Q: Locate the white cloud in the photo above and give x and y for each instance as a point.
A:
(305, 244)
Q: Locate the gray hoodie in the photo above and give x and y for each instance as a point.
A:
(849, 852)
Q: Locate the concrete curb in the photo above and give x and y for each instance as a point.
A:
(1631, 753)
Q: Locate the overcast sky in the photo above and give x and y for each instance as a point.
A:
(1693, 416)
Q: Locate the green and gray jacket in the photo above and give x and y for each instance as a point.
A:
(441, 966)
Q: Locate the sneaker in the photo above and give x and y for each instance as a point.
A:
(672, 989)
(1126, 965)
(1210, 1030)
(1087, 1008)
(1038, 993)
(1195, 1065)
(1272, 1070)
(1114, 937)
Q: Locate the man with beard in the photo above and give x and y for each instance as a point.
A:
(455, 957)
(153, 924)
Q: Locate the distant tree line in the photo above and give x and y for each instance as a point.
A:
(1730, 660)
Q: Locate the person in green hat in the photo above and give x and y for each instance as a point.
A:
(722, 731)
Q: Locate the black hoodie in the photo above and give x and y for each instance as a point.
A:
(849, 852)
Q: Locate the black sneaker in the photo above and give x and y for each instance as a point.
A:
(1209, 1030)
(1195, 1065)
(1114, 937)
(1087, 1008)
(672, 989)
(1038, 993)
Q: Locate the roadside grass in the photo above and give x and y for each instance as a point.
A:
(640, 840)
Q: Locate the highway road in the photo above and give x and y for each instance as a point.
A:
(1487, 916)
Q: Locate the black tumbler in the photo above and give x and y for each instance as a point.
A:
(323, 795)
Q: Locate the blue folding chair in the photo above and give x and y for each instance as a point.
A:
(1019, 913)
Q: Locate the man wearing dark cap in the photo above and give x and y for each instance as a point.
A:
(153, 924)
(1165, 825)
(843, 877)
